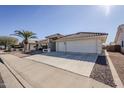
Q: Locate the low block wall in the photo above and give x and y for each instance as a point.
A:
(114, 48)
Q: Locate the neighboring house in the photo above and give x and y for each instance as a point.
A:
(119, 39)
(44, 43)
(82, 42)
(32, 44)
(1, 47)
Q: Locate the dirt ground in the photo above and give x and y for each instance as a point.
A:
(118, 62)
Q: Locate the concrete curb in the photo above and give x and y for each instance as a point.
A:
(114, 72)
(8, 79)
(23, 82)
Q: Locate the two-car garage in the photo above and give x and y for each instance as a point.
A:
(82, 46)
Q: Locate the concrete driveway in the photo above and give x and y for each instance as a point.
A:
(39, 74)
(77, 63)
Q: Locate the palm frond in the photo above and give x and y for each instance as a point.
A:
(25, 34)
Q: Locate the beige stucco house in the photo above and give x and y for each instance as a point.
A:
(32, 44)
(82, 42)
(119, 39)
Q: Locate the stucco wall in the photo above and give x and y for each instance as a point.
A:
(31, 46)
(120, 38)
(122, 49)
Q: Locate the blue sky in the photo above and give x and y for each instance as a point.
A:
(47, 20)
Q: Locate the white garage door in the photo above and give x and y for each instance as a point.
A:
(83, 46)
(60, 46)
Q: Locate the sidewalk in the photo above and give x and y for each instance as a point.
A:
(2, 85)
(9, 80)
(42, 75)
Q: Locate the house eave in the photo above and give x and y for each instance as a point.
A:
(102, 38)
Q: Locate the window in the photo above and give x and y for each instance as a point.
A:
(122, 43)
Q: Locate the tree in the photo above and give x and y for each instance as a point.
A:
(26, 35)
(7, 41)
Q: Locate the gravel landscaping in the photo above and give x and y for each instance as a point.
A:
(101, 72)
(118, 62)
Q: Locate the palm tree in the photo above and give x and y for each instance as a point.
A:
(26, 35)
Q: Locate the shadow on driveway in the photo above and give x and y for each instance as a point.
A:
(101, 60)
(74, 56)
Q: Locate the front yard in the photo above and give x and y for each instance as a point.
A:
(100, 71)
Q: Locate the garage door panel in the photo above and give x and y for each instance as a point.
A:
(60, 46)
(85, 46)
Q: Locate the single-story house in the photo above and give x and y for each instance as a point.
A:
(82, 42)
(32, 44)
(119, 39)
(44, 43)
